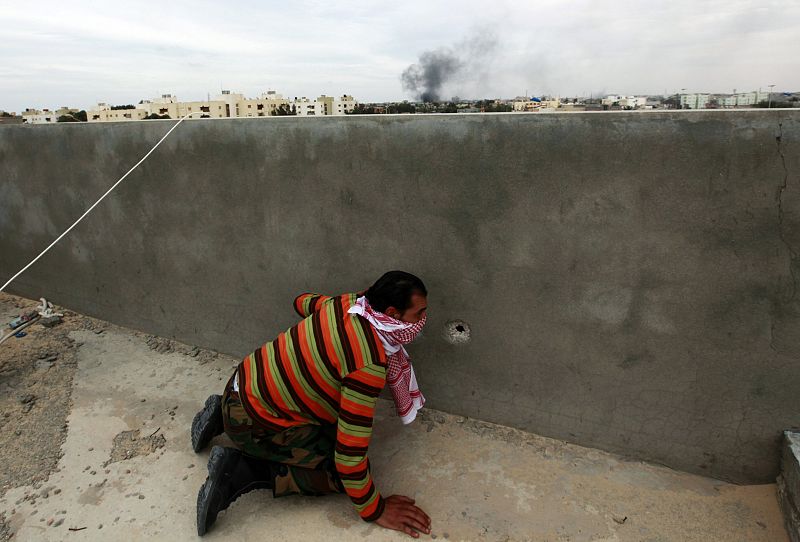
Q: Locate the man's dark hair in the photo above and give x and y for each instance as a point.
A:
(394, 289)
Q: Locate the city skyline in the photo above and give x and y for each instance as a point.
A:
(78, 55)
(144, 103)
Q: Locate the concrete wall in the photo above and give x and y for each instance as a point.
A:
(629, 279)
(789, 484)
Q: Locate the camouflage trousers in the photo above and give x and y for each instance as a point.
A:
(302, 456)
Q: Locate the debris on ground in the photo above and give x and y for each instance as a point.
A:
(160, 344)
(5, 531)
(51, 321)
(22, 319)
(169, 346)
(35, 393)
(28, 317)
(128, 444)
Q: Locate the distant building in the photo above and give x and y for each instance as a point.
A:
(168, 104)
(573, 107)
(9, 117)
(303, 107)
(625, 102)
(523, 103)
(34, 116)
(226, 105)
(323, 105)
(694, 101)
(231, 101)
(329, 105)
(264, 106)
(102, 112)
(654, 102)
(343, 105)
(551, 103)
(743, 99)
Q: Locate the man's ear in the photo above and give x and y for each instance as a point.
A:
(394, 313)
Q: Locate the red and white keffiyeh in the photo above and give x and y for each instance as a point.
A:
(394, 334)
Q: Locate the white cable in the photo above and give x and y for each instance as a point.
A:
(98, 201)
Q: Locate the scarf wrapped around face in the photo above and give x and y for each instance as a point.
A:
(400, 374)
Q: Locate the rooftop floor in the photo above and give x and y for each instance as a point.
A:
(477, 481)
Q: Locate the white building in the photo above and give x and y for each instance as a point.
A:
(625, 102)
(323, 106)
(336, 106)
(168, 104)
(694, 101)
(227, 105)
(344, 105)
(265, 105)
(102, 112)
(744, 99)
(304, 107)
(34, 116)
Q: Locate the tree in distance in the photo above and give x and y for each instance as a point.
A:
(361, 109)
(774, 105)
(79, 116)
(284, 110)
(673, 102)
(402, 107)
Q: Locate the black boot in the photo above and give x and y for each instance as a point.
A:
(231, 474)
(207, 423)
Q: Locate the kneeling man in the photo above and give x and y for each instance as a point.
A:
(300, 408)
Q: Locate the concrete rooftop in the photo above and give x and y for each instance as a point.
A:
(478, 481)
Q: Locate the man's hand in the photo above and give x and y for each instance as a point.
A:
(401, 514)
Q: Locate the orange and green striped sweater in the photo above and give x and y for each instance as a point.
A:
(329, 368)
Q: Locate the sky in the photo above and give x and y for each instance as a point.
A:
(78, 53)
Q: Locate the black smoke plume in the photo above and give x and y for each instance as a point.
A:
(426, 78)
(461, 63)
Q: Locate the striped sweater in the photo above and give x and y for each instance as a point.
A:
(329, 368)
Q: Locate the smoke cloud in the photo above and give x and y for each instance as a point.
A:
(466, 62)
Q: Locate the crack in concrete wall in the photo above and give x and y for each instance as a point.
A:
(793, 254)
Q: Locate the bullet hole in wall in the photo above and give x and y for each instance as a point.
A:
(457, 332)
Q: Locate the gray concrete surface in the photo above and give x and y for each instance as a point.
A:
(477, 480)
(789, 484)
(629, 280)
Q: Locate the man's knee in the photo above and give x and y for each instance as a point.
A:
(292, 480)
